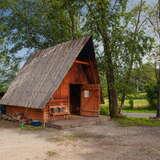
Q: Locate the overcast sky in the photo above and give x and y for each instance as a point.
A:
(133, 2)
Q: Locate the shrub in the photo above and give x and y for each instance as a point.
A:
(152, 95)
(131, 103)
(104, 110)
(140, 95)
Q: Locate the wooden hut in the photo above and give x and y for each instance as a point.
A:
(57, 82)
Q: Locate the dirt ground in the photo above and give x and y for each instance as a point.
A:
(108, 141)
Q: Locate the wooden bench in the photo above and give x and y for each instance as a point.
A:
(59, 110)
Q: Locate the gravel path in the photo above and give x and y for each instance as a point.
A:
(99, 142)
(139, 115)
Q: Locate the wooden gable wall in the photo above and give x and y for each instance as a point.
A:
(76, 75)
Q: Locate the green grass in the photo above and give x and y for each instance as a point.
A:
(104, 109)
(32, 128)
(137, 96)
(140, 106)
(125, 121)
(137, 103)
(139, 110)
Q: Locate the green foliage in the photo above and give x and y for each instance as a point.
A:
(104, 110)
(128, 42)
(152, 94)
(39, 24)
(131, 103)
(33, 25)
(44, 23)
(139, 110)
(138, 103)
(9, 65)
(143, 76)
(140, 95)
(140, 106)
(103, 85)
(125, 122)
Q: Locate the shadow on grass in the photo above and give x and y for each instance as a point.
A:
(139, 110)
(130, 121)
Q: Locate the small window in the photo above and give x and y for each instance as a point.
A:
(86, 93)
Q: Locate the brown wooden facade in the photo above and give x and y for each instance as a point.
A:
(77, 94)
(70, 96)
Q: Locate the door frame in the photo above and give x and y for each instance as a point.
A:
(69, 96)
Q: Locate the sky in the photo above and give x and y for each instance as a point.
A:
(133, 2)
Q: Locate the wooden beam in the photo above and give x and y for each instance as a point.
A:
(81, 62)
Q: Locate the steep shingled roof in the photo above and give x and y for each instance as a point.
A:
(42, 74)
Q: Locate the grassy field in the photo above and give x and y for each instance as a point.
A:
(139, 106)
(138, 103)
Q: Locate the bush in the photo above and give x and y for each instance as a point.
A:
(140, 95)
(131, 103)
(152, 95)
(104, 110)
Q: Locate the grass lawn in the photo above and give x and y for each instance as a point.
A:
(138, 103)
(140, 106)
(125, 121)
(139, 110)
(104, 109)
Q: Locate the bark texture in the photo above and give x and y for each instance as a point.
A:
(112, 93)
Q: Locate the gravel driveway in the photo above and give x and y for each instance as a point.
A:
(99, 142)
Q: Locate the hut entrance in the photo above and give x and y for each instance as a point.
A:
(75, 98)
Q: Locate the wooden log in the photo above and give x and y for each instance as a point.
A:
(81, 62)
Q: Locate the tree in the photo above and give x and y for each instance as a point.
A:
(154, 19)
(32, 25)
(40, 24)
(124, 42)
(103, 17)
(142, 77)
(137, 45)
(9, 63)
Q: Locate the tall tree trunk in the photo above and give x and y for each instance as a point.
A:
(158, 74)
(122, 100)
(126, 81)
(113, 104)
(158, 99)
(112, 93)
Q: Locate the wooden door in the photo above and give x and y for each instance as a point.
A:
(90, 100)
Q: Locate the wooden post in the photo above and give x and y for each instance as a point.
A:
(45, 116)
